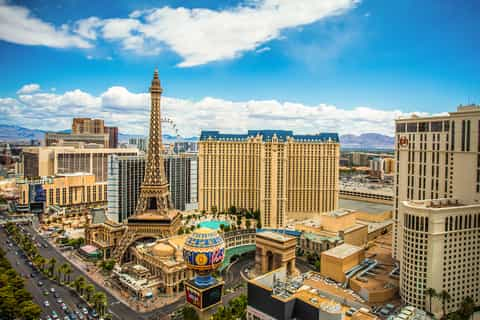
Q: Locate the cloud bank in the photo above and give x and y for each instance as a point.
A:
(197, 35)
(130, 111)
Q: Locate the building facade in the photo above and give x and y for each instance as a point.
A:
(76, 140)
(181, 171)
(50, 161)
(125, 176)
(436, 157)
(275, 171)
(440, 242)
(79, 191)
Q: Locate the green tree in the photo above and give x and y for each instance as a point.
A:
(189, 313)
(68, 271)
(239, 221)
(79, 284)
(444, 296)
(232, 210)
(467, 307)
(89, 292)
(213, 210)
(99, 300)
(51, 266)
(248, 224)
(30, 310)
(431, 294)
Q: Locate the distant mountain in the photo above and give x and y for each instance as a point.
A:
(12, 133)
(367, 141)
(17, 133)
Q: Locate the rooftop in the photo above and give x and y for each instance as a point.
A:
(267, 136)
(275, 236)
(342, 251)
(442, 203)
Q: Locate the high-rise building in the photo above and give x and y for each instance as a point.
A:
(125, 176)
(139, 142)
(50, 161)
(281, 174)
(181, 171)
(436, 241)
(112, 133)
(88, 125)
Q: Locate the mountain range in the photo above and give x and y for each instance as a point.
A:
(12, 133)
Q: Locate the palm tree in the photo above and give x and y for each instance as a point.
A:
(248, 224)
(89, 291)
(444, 296)
(68, 270)
(60, 273)
(100, 302)
(79, 284)
(51, 266)
(431, 293)
(467, 307)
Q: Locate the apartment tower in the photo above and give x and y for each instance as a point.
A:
(281, 174)
(436, 207)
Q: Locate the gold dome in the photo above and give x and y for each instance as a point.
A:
(163, 250)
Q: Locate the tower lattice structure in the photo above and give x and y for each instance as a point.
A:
(154, 193)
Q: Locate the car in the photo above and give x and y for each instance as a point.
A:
(84, 310)
(48, 318)
(60, 300)
(40, 283)
(56, 295)
(66, 318)
(94, 313)
(32, 275)
(46, 293)
(54, 315)
(52, 290)
(64, 306)
(46, 303)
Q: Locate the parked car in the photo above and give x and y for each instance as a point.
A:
(52, 290)
(46, 303)
(59, 300)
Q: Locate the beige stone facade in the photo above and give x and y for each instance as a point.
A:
(50, 161)
(68, 190)
(440, 251)
(281, 174)
(436, 157)
(337, 261)
(273, 251)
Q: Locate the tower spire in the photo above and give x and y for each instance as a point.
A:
(154, 194)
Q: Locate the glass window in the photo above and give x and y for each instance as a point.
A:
(412, 127)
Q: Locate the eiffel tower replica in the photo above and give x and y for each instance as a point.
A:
(155, 215)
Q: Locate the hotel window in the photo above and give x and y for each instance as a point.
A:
(436, 126)
(412, 127)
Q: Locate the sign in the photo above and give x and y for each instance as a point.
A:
(403, 141)
(193, 296)
(212, 296)
(204, 258)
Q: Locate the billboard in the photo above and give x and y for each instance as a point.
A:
(212, 296)
(193, 296)
(37, 193)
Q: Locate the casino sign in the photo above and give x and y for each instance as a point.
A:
(204, 250)
(403, 141)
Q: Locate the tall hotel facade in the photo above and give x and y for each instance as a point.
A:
(125, 176)
(437, 207)
(281, 174)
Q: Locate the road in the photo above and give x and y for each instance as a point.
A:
(116, 308)
(31, 284)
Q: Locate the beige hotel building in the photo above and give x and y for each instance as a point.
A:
(50, 161)
(281, 174)
(437, 242)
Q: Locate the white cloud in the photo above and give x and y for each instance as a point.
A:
(129, 111)
(263, 49)
(201, 35)
(19, 26)
(29, 88)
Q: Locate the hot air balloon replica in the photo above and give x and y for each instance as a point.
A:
(203, 252)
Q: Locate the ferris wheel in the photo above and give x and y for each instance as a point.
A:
(173, 126)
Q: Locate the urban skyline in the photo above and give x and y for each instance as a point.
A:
(271, 81)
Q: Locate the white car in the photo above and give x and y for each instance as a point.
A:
(52, 290)
(46, 303)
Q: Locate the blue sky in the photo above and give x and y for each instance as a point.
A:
(348, 66)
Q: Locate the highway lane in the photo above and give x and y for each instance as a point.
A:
(32, 284)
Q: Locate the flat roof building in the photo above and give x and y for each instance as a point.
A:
(282, 174)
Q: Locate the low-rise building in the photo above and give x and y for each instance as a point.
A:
(336, 262)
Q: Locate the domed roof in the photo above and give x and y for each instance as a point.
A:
(163, 250)
(204, 250)
(204, 238)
